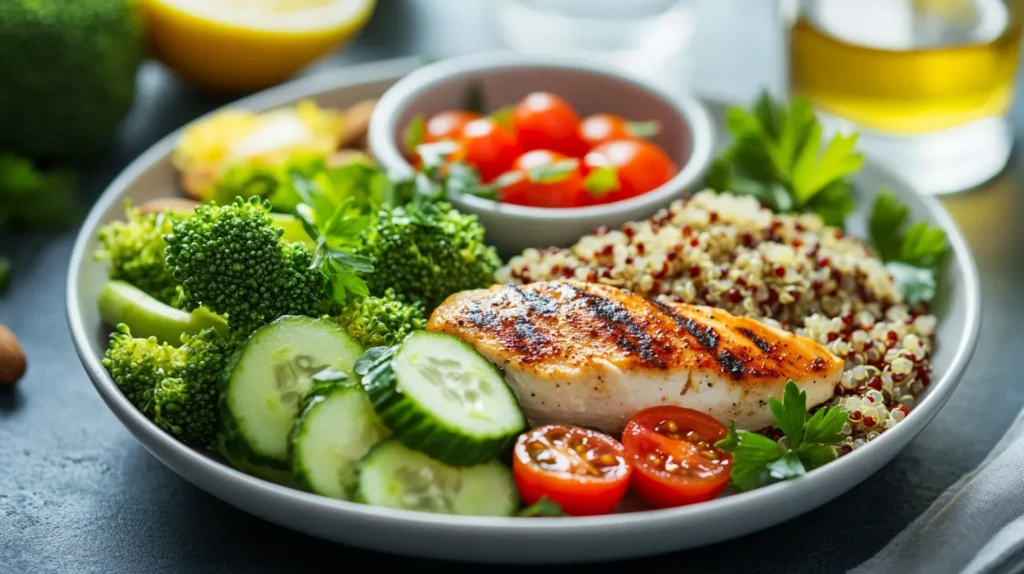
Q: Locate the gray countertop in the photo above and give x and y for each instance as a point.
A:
(78, 494)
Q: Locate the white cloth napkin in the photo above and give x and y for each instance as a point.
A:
(975, 527)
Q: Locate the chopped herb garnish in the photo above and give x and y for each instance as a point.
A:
(543, 507)
(913, 256)
(778, 156)
(759, 461)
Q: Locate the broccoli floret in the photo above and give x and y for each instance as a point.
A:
(176, 387)
(134, 249)
(381, 321)
(232, 260)
(426, 252)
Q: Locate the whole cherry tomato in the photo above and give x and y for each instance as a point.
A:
(544, 178)
(583, 471)
(621, 169)
(675, 460)
(546, 121)
(488, 146)
(600, 128)
(447, 125)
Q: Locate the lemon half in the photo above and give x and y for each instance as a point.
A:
(247, 45)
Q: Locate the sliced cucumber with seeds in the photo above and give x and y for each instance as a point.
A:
(266, 380)
(439, 396)
(336, 429)
(394, 476)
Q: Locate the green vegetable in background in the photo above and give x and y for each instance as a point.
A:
(779, 157)
(759, 461)
(33, 199)
(912, 255)
(68, 70)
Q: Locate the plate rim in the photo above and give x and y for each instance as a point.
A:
(153, 439)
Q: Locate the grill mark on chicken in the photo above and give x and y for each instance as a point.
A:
(761, 343)
(629, 335)
(733, 365)
(537, 303)
(707, 336)
(483, 318)
(529, 339)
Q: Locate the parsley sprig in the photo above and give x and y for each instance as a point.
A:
(759, 461)
(543, 507)
(778, 156)
(912, 255)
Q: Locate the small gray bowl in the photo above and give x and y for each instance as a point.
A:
(505, 78)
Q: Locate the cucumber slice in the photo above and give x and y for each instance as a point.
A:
(122, 302)
(395, 476)
(293, 230)
(439, 396)
(267, 377)
(336, 429)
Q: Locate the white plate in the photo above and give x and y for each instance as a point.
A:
(549, 540)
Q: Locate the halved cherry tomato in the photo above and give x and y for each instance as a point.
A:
(583, 471)
(447, 125)
(546, 121)
(638, 166)
(488, 146)
(675, 460)
(544, 178)
(600, 128)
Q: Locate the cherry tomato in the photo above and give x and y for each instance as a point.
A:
(488, 146)
(675, 460)
(638, 166)
(546, 121)
(447, 125)
(583, 471)
(600, 128)
(543, 178)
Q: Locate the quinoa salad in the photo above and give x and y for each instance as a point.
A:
(786, 270)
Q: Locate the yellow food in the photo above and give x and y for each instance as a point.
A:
(234, 137)
(246, 45)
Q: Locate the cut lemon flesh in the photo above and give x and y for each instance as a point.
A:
(245, 45)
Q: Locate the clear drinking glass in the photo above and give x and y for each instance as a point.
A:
(645, 37)
(928, 84)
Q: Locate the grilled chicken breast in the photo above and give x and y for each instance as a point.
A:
(595, 355)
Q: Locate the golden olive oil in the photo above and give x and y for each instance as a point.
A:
(946, 63)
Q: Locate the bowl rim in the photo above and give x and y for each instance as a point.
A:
(692, 112)
(165, 447)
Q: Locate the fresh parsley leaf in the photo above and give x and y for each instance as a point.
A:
(543, 507)
(414, 133)
(825, 426)
(779, 157)
(790, 413)
(786, 467)
(913, 257)
(918, 284)
(887, 217)
(758, 460)
(752, 453)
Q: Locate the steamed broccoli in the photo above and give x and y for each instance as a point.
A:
(233, 261)
(426, 252)
(381, 321)
(135, 251)
(174, 386)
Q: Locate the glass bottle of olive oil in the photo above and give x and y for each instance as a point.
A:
(928, 83)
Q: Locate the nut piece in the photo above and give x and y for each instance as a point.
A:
(357, 122)
(168, 204)
(12, 359)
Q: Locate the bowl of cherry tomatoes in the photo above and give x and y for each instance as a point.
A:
(545, 149)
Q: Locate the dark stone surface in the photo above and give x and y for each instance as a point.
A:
(78, 494)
